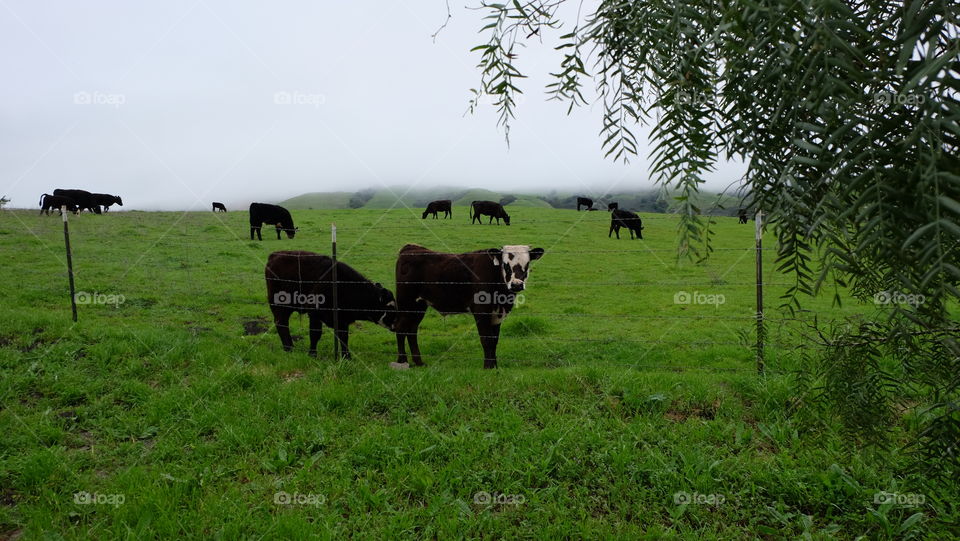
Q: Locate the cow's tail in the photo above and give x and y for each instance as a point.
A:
(41, 198)
(472, 203)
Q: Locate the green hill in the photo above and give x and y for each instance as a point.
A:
(318, 201)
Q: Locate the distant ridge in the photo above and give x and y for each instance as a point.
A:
(399, 196)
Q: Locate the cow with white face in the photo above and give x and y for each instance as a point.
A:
(484, 283)
(515, 263)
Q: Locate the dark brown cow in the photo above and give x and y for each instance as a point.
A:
(484, 283)
(105, 200)
(219, 207)
(442, 205)
(585, 201)
(488, 208)
(613, 206)
(299, 281)
(625, 218)
(742, 215)
(261, 213)
(55, 202)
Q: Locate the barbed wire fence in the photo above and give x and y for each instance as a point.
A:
(741, 322)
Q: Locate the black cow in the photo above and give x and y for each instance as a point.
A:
(488, 208)
(302, 282)
(105, 200)
(484, 283)
(625, 218)
(742, 215)
(219, 207)
(613, 206)
(263, 213)
(585, 201)
(82, 198)
(49, 202)
(443, 205)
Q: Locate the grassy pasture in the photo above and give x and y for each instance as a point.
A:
(168, 411)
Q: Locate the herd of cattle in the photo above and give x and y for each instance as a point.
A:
(483, 283)
(77, 201)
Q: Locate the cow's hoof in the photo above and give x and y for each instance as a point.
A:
(400, 366)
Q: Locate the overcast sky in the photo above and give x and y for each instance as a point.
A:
(175, 104)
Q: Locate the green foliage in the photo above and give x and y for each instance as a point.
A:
(360, 198)
(848, 115)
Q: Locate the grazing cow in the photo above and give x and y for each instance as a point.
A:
(613, 206)
(50, 202)
(218, 207)
(488, 208)
(263, 213)
(105, 200)
(742, 215)
(82, 198)
(302, 282)
(483, 283)
(443, 205)
(585, 201)
(625, 218)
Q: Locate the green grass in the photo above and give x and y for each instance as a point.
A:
(592, 425)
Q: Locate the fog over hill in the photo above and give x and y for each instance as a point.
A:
(400, 196)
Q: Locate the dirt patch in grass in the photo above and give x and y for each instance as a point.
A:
(292, 376)
(679, 415)
(255, 326)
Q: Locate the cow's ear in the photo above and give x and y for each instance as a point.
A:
(536, 253)
(495, 254)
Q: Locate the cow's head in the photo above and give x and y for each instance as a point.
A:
(388, 304)
(290, 231)
(117, 199)
(506, 218)
(424, 217)
(514, 263)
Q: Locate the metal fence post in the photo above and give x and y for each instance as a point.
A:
(333, 278)
(66, 240)
(760, 327)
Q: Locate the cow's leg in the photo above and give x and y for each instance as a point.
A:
(281, 318)
(343, 336)
(407, 329)
(278, 233)
(316, 330)
(401, 352)
(610, 234)
(489, 336)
